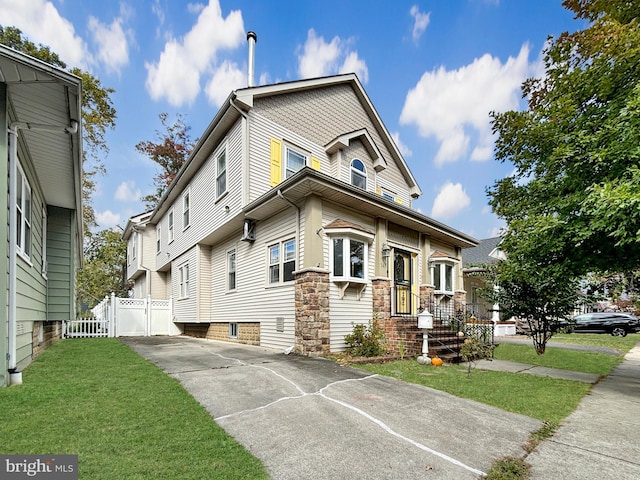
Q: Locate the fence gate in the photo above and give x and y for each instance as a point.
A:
(131, 317)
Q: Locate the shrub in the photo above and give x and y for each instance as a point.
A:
(366, 340)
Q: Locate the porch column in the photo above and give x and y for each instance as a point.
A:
(312, 328)
(382, 263)
(313, 251)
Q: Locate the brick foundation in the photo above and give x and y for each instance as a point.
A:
(313, 328)
(52, 332)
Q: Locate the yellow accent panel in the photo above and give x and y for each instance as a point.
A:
(378, 191)
(399, 200)
(315, 163)
(276, 162)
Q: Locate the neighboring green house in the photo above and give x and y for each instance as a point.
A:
(40, 121)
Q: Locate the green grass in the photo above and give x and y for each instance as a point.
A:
(544, 398)
(624, 344)
(578, 361)
(120, 414)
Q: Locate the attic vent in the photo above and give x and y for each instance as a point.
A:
(280, 324)
(249, 231)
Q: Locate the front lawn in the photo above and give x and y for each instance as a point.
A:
(120, 414)
(624, 344)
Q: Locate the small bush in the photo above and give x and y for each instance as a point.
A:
(509, 468)
(366, 340)
(473, 350)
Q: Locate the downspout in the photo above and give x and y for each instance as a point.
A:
(15, 377)
(297, 226)
(245, 152)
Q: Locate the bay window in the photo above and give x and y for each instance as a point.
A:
(442, 275)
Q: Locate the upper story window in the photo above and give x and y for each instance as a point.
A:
(358, 174)
(23, 210)
(221, 173)
(134, 245)
(184, 280)
(170, 220)
(231, 270)
(186, 208)
(282, 261)
(158, 238)
(442, 275)
(294, 161)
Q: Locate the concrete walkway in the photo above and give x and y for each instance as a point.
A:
(513, 367)
(601, 438)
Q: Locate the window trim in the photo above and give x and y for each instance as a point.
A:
(281, 261)
(442, 265)
(24, 244)
(170, 221)
(348, 234)
(219, 175)
(232, 253)
(186, 210)
(285, 163)
(183, 281)
(158, 239)
(357, 172)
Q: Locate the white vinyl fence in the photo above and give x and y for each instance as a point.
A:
(124, 317)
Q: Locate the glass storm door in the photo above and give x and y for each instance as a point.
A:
(402, 281)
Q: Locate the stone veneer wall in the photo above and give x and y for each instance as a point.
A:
(52, 332)
(313, 327)
(248, 333)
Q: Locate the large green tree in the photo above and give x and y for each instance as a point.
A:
(572, 206)
(170, 152)
(104, 272)
(98, 116)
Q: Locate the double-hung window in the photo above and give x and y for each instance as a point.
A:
(186, 208)
(23, 210)
(221, 173)
(170, 220)
(358, 174)
(231, 270)
(294, 161)
(184, 280)
(282, 261)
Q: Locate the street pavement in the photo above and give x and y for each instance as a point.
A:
(310, 418)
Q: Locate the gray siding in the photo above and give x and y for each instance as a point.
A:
(185, 309)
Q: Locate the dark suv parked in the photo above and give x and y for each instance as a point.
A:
(616, 323)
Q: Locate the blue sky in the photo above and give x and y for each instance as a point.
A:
(433, 70)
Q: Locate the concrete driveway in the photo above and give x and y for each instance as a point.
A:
(311, 418)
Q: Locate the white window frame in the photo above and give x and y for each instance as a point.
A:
(232, 270)
(186, 210)
(23, 193)
(134, 245)
(288, 172)
(441, 267)
(348, 236)
(183, 291)
(277, 263)
(356, 172)
(221, 175)
(158, 239)
(45, 266)
(170, 220)
(233, 329)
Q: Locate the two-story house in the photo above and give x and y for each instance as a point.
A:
(291, 220)
(41, 205)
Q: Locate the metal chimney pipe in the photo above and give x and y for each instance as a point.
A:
(252, 38)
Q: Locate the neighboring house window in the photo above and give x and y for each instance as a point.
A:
(282, 261)
(349, 259)
(184, 280)
(221, 173)
(294, 161)
(358, 174)
(171, 226)
(158, 238)
(233, 330)
(44, 241)
(185, 211)
(23, 210)
(231, 270)
(442, 274)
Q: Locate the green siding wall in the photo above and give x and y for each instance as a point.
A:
(60, 258)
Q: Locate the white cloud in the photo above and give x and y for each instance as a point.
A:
(404, 150)
(451, 200)
(421, 21)
(112, 42)
(40, 22)
(454, 105)
(127, 192)
(319, 58)
(107, 219)
(176, 75)
(225, 79)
